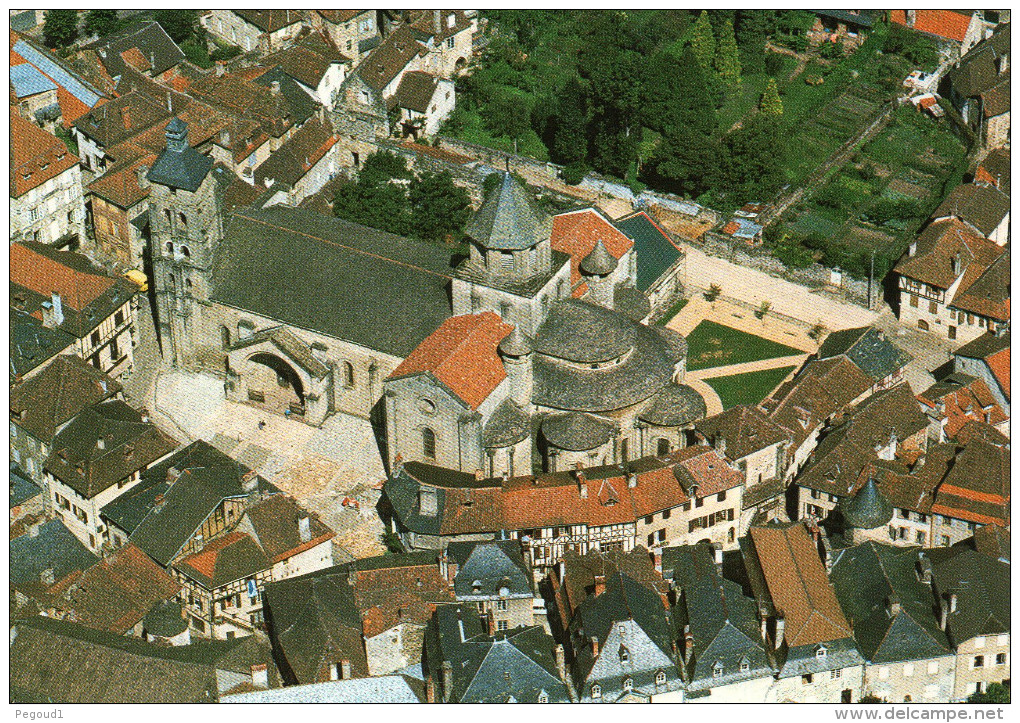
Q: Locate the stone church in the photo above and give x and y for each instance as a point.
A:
(479, 363)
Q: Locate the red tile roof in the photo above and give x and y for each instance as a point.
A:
(44, 275)
(36, 156)
(973, 402)
(948, 24)
(999, 364)
(462, 355)
(391, 595)
(576, 232)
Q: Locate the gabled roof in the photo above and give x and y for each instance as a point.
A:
(890, 609)
(122, 118)
(179, 165)
(61, 662)
(415, 91)
(74, 95)
(233, 556)
(516, 665)
(576, 233)
(276, 524)
(269, 21)
(53, 547)
(978, 70)
(389, 59)
(938, 244)
(36, 156)
(985, 291)
(120, 184)
(577, 581)
(145, 47)
(507, 219)
(484, 569)
(307, 63)
(948, 24)
(22, 488)
(744, 429)
(995, 169)
(29, 80)
(57, 394)
(378, 689)
(980, 206)
(959, 399)
(115, 594)
(103, 445)
(656, 251)
(796, 586)
(981, 584)
(33, 344)
(462, 355)
(868, 348)
(985, 346)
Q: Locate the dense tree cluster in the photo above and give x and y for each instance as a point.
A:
(387, 195)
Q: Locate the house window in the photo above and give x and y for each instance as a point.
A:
(717, 670)
(979, 661)
(502, 605)
(624, 654)
(596, 691)
(94, 339)
(348, 375)
(118, 318)
(1000, 658)
(449, 43)
(821, 652)
(933, 307)
(908, 670)
(543, 697)
(806, 679)
(665, 514)
(836, 674)
(428, 443)
(502, 625)
(721, 496)
(628, 684)
(744, 665)
(913, 300)
(662, 446)
(660, 677)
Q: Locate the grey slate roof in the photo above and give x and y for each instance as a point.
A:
(577, 432)
(300, 268)
(868, 509)
(62, 662)
(508, 220)
(148, 38)
(32, 344)
(868, 348)
(179, 165)
(166, 508)
(381, 689)
(656, 252)
(484, 569)
(977, 71)
(866, 578)
(516, 665)
(508, 425)
(29, 80)
(232, 557)
(674, 406)
(635, 640)
(983, 207)
(55, 547)
(984, 346)
(296, 102)
(22, 488)
(982, 586)
(583, 333)
(632, 303)
(599, 262)
(723, 622)
(165, 620)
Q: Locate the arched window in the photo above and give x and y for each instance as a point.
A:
(169, 247)
(731, 535)
(225, 337)
(624, 654)
(186, 252)
(662, 446)
(428, 443)
(183, 219)
(348, 374)
(169, 218)
(625, 450)
(922, 325)
(660, 677)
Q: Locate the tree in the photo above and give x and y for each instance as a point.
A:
(101, 22)
(439, 208)
(762, 310)
(771, 104)
(676, 94)
(380, 167)
(755, 155)
(178, 24)
(61, 28)
(727, 57)
(996, 693)
(384, 206)
(703, 41)
(508, 114)
(752, 28)
(570, 140)
(686, 162)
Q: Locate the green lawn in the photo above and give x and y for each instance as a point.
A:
(749, 388)
(714, 345)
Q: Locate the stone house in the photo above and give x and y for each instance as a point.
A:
(42, 406)
(144, 47)
(958, 30)
(262, 30)
(495, 577)
(724, 656)
(972, 594)
(120, 211)
(871, 351)
(317, 67)
(44, 562)
(102, 130)
(448, 37)
(35, 96)
(47, 203)
(849, 27)
(982, 206)
(71, 295)
(467, 662)
(75, 95)
(886, 593)
(97, 457)
(355, 33)
(660, 261)
(622, 645)
(816, 656)
(306, 162)
(979, 88)
(424, 102)
(954, 282)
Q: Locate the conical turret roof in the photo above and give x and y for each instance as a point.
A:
(599, 262)
(508, 220)
(867, 509)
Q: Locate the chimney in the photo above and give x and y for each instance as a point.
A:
(345, 669)
(957, 264)
(594, 647)
(479, 475)
(430, 691)
(47, 577)
(952, 602)
(582, 480)
(225, 137)
(447, 680)
(600, 585)
(304, 524)
(437, 21)
(561, 662)
(428, 503)
(1002, 63)
(490, 623)
(912, 249)
(142, 172)
(780, 631)
(720, 445)
(911, 17)
(892, 605)
(221, 68)
(249, 482)
(53, 311)
(260, 675)
(688, 644)
(275, 87)
(101, 443)
(460, 624)
(632, 480)
(33, 529)
(717, 550)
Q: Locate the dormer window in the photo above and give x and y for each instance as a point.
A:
(660, 677)
(624, 654)
(717, 669)
(628, 685)
(745, 665)
(821, 652)
(543, 697)
(596, 691)
(476, 586)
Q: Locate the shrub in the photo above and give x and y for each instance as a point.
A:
(713, 292)
(226, 53)
(816, 332)
(574, 173)
(762, 310)
(831, 51)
